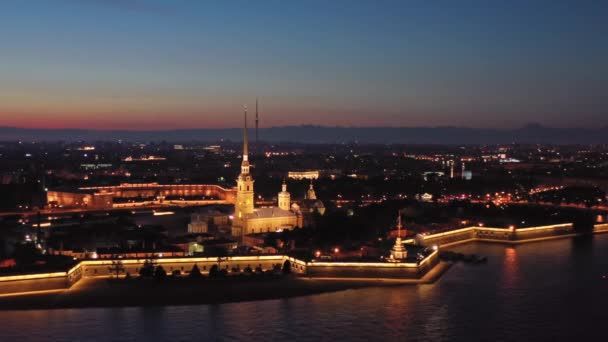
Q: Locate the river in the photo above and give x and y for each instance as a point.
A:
(552, 290)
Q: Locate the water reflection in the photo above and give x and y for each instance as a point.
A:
(510, 268)
(528, 293)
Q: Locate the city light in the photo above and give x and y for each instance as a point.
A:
(163, 213)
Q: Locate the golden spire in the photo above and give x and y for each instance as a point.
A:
(245, 139)
(399, 225)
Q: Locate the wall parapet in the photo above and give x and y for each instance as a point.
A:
(97, 267)
(508, 235)
(600, 228)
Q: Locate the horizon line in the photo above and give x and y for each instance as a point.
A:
(523, 126)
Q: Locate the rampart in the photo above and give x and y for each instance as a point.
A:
(102, 268)
(501, 235)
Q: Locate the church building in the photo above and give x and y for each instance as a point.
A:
(251, 220)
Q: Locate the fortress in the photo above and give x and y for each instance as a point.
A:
(400, 271)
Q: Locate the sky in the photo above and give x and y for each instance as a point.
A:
(169, 64)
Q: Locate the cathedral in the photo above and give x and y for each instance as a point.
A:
(251, 220)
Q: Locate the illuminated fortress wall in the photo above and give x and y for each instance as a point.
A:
(101, 268)
(37, 284)
(102, 197)
(506, 235)
(41, 281)
(93, 268)
(600, 228)
(372, 270)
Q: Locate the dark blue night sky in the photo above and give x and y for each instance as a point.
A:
(184, 64)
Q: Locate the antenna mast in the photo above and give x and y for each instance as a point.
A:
(256, 121)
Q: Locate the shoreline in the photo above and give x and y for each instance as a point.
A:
(96, 292)
(103, 292)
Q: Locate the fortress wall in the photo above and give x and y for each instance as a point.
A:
(362, 271)
(372, 270)
(40, 281)
(498, 234)
(41, 284)
(544, 231)
(448, 237)
(93, 268)
(600, 228)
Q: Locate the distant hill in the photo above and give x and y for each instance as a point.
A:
(532, 133)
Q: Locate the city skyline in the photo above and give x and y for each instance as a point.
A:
(345, 170)
(155, 65)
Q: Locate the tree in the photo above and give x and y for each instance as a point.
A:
(160, 273)
(148, 268)
(116, 268)
(25, 253)
(287, 267)
(195, 272)
(213, 272)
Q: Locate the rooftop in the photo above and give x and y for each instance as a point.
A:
(269, 212)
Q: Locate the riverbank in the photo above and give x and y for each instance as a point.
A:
(106, 292)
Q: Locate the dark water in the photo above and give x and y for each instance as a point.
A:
(534, 292)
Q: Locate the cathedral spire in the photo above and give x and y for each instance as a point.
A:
(245, 139)
(399, 225)
(398, 253)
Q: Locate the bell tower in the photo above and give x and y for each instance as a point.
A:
(284, 197)
(310, 194)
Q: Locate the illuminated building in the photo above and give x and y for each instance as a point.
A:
(284, 198)
(208, 221)
(251, 220)
(398, 253)
(303, 174)
(451, 169)
(129, 195)
(463, 170)
(310, 194)
(144, 158)
(310, 205)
